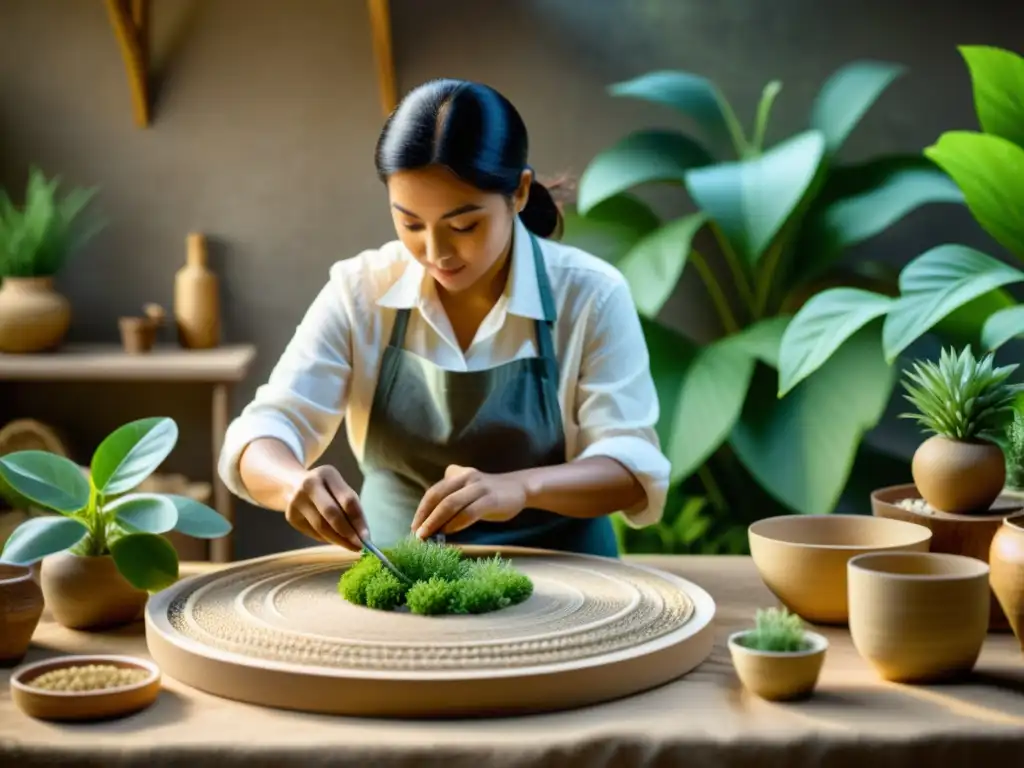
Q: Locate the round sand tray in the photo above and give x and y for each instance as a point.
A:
(275, 631)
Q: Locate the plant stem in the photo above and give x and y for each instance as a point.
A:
(764, 283)
(725, 313)
(711, 486)
(739, 274)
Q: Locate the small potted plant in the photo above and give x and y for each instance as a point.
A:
(778, 659)
(36, 241)
(102, 552)
(1013, 449)
(966, 404)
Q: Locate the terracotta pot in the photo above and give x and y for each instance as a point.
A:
(21, 605)
(89, 592)
(775, 675)
(138, 334)
(33, 316)
(918, 616)
(959, 477)
(1006, 561)
(969, 535)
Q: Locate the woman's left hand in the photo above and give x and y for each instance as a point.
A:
(465, 496)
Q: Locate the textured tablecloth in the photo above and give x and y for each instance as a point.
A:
(703, 719)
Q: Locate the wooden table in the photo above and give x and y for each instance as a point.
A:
(222, 368)
(704, 719)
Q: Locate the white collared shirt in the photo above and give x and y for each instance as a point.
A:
(328, 371)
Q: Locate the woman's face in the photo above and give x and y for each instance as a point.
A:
(457, 232)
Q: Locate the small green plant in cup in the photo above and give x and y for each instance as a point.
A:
(779, 659)
(97, 512)
(776, 629)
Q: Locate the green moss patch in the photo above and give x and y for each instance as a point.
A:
(443, 581)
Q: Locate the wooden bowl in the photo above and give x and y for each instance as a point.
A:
(969, 535)
(918, 617)
(802, 558)
(84, 705)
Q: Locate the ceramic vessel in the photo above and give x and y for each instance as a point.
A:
(953, 534)
(196, 299)
(959, 477)
(33, 316)
(775, 675)
(1006, 560)
(918, 616)
(802, 558)
(89, 593)
(21, 605)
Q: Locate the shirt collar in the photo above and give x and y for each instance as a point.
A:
(522, 290)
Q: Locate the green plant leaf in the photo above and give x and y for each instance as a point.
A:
(146, 560)
(764, 110)
(751, 200)
(692, 95)
(671, 354)
(990, 172)
(641, 157)
(762, 339)
(997, 79)
(46, 479)
(711, 396)
(964, 325)
(801, 448)
(846, 96)
(1002, 326)
(610, 228)
(131, 453)
(39, 537)
(691, 523)
(654, 265)
(821, 326)
(935, 284)
(198, 520)
(146, 512)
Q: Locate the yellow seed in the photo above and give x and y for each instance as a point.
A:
(89, 677)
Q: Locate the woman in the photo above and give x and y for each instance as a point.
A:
(495, 386)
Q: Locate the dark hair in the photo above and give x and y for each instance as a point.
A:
(476, 133)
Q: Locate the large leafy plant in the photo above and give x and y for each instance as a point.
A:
(952, 290)
(98, 514)
(37, 239)
(770, 225)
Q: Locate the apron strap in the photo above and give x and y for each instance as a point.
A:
(398, 329)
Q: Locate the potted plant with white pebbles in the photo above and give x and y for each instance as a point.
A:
(102, 553)
(779, 659)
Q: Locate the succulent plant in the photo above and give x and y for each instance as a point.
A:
(1013, 448)
(776, 629)
(961, 398)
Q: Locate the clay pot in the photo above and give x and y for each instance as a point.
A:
(89, 593)
(21, 605)
(138, 334)
(1006, 561)
(959, 477)
(197, 299)
(33, 316)
(918, 616)
(777, 675)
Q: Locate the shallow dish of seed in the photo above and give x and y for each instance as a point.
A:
(79, 688)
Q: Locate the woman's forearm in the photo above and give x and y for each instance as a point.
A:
(592, 487)
(269, 472)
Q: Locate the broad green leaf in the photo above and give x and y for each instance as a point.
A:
(990, 172)
(762, 340)
(671, 354)
(641, 157)
(610, 228)
(711, 397)
(801, 448)
(846, 96)
(752, 199)
(197, 519)
(49, 480)
(692, 95)
(653, 266)
(146, 512)
(935, 284)
(997, 79)
(1004, 325)
(964, 326)
(821, 326)
(132, 453)
(146, 560)
(39, 537)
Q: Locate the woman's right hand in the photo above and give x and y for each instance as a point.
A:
(323, 506)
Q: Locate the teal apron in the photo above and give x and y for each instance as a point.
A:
(503, 419)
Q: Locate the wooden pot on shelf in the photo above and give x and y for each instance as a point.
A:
(954, 534)
(34, 317)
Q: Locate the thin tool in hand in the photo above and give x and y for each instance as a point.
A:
(373, 550)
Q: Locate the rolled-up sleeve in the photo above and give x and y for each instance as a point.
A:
(617, 404)
(302, 404)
